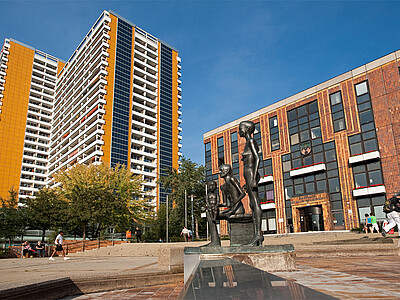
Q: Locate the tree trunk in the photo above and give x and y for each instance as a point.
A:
(84, 237)
(43, 234)
(197, 228)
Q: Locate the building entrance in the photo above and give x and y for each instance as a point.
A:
(311, 218)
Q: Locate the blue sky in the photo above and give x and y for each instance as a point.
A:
(237, 56)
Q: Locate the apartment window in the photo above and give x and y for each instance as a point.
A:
(371, 204)
(257, 137)
(339, 122)
(366, 140)
(266, 191)
(367, 174)
(274, 133)
(235, 155)
(221, 152)
(208, 161)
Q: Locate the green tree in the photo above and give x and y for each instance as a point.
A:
(157, 226)
(12, 220)
(101, 196)
(190, 178)
(46, 210)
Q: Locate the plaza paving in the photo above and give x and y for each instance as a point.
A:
(364, 275)
(344, 278)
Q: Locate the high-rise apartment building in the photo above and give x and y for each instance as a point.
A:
(27, 84)
(117, 101)
(329, 154)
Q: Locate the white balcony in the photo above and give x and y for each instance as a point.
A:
(308, 170)
(370, 190)
(179, 120)
(364, 157)
(266, 179)
(179, 137)
(179, 145)
(178, 59)
(265, 206)
(180, 154)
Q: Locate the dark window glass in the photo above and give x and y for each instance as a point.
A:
(375, 177)
(321, 186)
(292, 115)
(233, 137)
(334, 185)
(370, 145)
(366, 117)
(360, 180)
(356, 149)
(339, 125)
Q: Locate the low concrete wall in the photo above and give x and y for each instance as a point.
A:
(64, 287)
(268, 262)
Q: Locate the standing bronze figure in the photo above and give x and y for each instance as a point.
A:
(212, 213)
(251, 163)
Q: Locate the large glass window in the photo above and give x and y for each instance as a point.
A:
(257, 137)
(307, 148)
(221, 153)
(235, 155)
(208, 161)
(338, 119)
(274, 133)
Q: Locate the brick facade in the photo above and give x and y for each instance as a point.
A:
(384, 88)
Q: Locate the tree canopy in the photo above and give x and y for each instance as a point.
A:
(101, 195)
(190, 177)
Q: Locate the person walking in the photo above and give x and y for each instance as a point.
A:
(138, 234)
(40, 249)
(374, 223)
(185, 233)
(392, 210)
(58, 242)
(368, 224)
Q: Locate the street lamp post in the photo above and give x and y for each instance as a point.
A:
(192, 217)
(167, 219)
(185, 209)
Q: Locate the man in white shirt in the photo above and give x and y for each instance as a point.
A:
(58, 242)
(185, 233)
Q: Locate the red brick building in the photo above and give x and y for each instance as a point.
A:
(329, 154)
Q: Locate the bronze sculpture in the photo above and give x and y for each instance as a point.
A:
(251, 162)
(232, 193)
(212, 213)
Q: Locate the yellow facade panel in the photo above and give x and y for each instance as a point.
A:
(108, 107)
(13, 116)
(175, 140)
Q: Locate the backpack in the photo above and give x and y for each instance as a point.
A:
(387, 207)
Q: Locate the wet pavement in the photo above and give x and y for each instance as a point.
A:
(340, 277)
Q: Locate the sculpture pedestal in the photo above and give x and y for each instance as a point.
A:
(267, 258)
(241, 229)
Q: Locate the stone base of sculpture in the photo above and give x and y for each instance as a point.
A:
(270, 258)
(241, 229)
